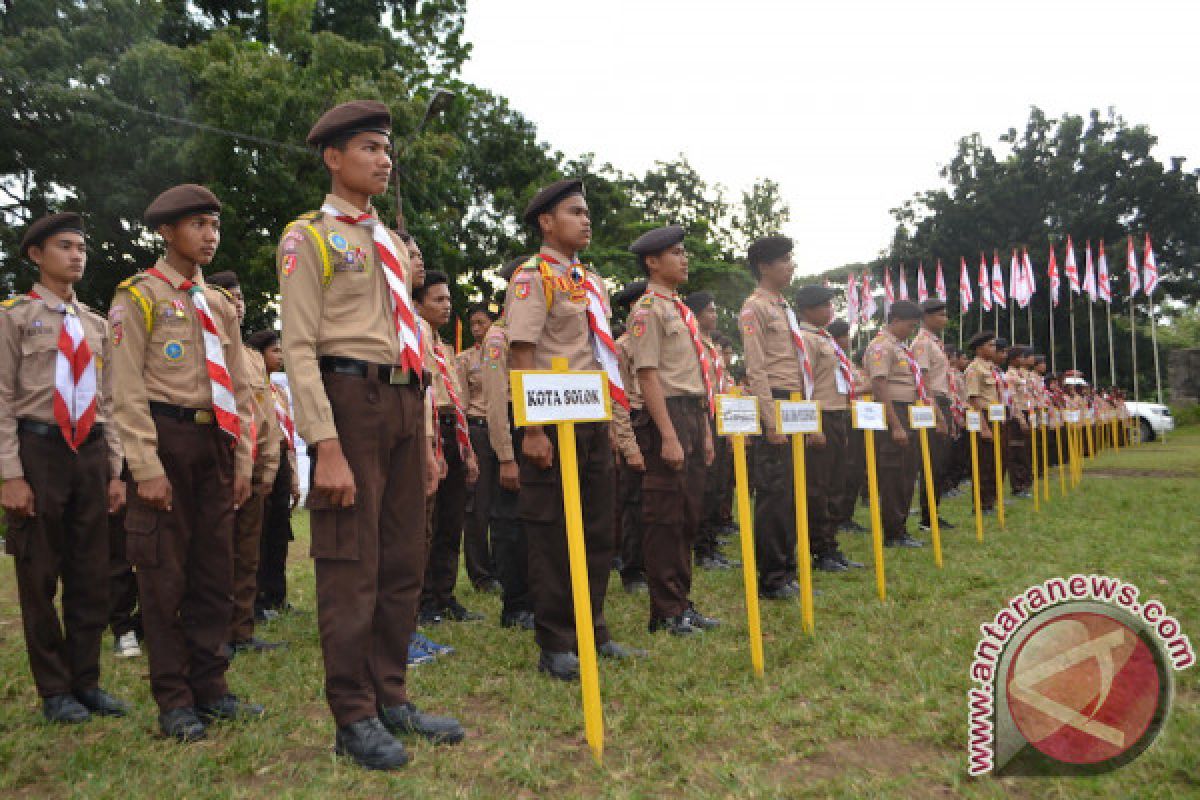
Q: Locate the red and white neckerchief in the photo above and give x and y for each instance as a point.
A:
(689, 319)
(603, 346)
(1006, 395)
(461, 433)
(224, 404)
(801, 353)
(956, 404)
(74, 377)
(403, 316)
(922, 392)
(284, 415)
(845, 373)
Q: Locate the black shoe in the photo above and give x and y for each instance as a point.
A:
(370, 745)
(829, 564)
(676, 626)
(490, 586)
(456, 611)
(65, 709)
(698, 620)
(229, 708)
(264, 615)
(712, 562)
(635, 586)
(182, 724)
(847, 563)
(101, 703)
(518, 619)
(1024, 494)
(853, 527)
(785, 592)
(619, 652)
(564, 666)
(904, 541)
(256, 645)
(429, 616)
(989, 512)
(406, 720)
(728, 562)
(945, 524)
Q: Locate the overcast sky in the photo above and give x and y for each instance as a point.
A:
(851, 105)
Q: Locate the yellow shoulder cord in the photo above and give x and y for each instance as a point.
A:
(144, 304)
(322, 250)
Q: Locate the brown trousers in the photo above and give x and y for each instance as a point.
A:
(825, 473)
(939, 461)
(184, 563)
(247, 543)
(855, 476)
(66, 540)
(477, 550)
(671, 505)
(369, 558)
(987, 466)
(446, 510)
(1017, 452)
(897, 473)
(123, 613)
(540, 507)
(774, 514)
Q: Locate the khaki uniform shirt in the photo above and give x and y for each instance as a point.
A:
(931, 358)
(29, 332)
(334, 302)
(266, 424)
(158, 355)
(281, 395)
(622, 427)
(981, 382)
(770, 353)
(885, 359)
(825, 366)
(659, 339)
(551, 315)
(1018, 382)
(470, 377)
(442, 384)
(497, 391)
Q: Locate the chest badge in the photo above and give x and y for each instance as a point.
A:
(338, 242)
(173, 350)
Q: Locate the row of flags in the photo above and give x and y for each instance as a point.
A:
(1021, 286)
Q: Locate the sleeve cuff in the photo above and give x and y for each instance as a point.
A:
(505, 453)
(147, 471)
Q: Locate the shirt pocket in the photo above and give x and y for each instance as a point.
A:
(173, 344)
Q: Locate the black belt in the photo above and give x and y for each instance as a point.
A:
(689, 402)
(52, 431)
(446, 416)
(479, 422)
(784, 394)
(199, 416)
(390, 374)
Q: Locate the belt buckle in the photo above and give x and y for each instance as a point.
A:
(399, 376)
(203, 417)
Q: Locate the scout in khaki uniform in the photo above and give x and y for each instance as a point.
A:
(931, 357)
(557, 308)
(248, 522)
(773, 372)
(477, 552)
(509, 546)
(351, 348)
(707, 549)
(829, 380)
(896, 382)
(183, 411)
(631, 467)
(855, 472)
(982, 391)
(673, 429)
(60, 461)
(432, 300)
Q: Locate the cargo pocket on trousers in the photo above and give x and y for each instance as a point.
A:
(334, 531)
(141, 536)
(16, 537)
(662, 499)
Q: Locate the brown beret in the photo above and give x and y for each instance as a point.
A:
(356, 116)
(814, 295)
(980, 339)
(905, 310)
(178, 202)
(933, 305)
(657, 241)
(546, 199)
(768, 248)
(45, 227)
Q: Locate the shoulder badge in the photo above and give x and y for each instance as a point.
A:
(647, 301)
(311, 216)
(14, 301)
(747, 320)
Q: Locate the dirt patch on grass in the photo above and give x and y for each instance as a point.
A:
(887, 756)
(1131, 472)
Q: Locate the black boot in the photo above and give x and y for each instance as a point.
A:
(370, 745)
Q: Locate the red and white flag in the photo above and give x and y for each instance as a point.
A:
(1030, 281)
(964, 287)
(939, 283)
(903, 284)
(1135, 283)
(1149, 268)
(1052, 273)
(1016, 281)
(889, 296)
(1070, 267)
(985, 284)
(1089, 272)
(852, 299)
(866, 306)
(998, 296)
(922, 292)
(1102, 280)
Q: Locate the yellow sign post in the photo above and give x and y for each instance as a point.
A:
(737, 417)
(996, 416)
(869, 417)
(563, 398)
(1090, 427)
(974, 425)
(796, 418)
(1045, 420)
(922, 418)
(1033, 457)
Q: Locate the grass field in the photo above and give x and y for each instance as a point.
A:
(872, 706)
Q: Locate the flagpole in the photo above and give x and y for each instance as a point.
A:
(1029, 320)
(1071, 307)
(960, 322)
(1133, 345)
(1053, 359)
(1112, 357)
(1154, 340)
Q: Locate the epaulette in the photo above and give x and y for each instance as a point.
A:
(130, 285)
(306, 221)
(310, 216)
(531, 263)
(228, 295)
(647, 301)
(14, 301)
(132, 280)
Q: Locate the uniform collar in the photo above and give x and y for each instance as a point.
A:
(658, 288)
(771, 297)
(564, 261)
(346, 207)
(49, 296)
(174, 278)
(809, 327)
